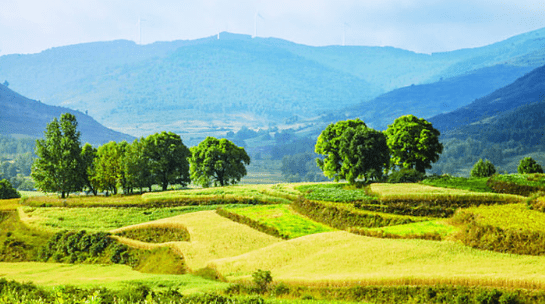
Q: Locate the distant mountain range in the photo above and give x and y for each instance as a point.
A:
(20, 116)
(515, 112)
(210, 86)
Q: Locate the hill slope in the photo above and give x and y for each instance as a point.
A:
(427, 100)
(209, 86)
(527, 89)
(22, 116)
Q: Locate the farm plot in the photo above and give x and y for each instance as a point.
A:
(282, 218)
(344, 258)
(98, 218)
(211, 237)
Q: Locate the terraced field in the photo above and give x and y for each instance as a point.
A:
(318, 252)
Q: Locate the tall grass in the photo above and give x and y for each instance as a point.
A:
(335, 258)
(212, 237)
(447, 181)
(250, 194)
(99, 218)
(115, 277)
(334, 192)
(283, 219)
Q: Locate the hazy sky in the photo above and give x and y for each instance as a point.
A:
(30, 26)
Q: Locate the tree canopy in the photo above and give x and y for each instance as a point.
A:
(413, 142)
(168, 156)
(352, 151)
(218, 161)
(529, 165)
(7, 191)
(58, 166)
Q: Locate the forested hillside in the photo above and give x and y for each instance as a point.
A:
(210, 86)
(24, 117)
(506, 124)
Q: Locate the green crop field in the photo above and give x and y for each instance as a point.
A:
(333, 192)
(100, 218)
(112, 276)
(472, 184)
(512, 216)
(315, 256)
(419, 228)
(283, 218)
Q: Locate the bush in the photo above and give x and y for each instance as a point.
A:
(528, 165)
(262, 279)
(252, 223)
(406, 176)
(483, 169)
(517, 184)
(343, 216)
(7, 191)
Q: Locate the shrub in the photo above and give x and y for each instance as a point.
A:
(262, 279)
(528, 165)
(517, 184)
(406, 176)
(342, 216)
(252, 223)
(483, 169)
(7, 191)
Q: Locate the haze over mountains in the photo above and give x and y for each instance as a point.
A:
(210, 86)
(23, 117)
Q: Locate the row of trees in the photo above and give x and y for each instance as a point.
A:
(64, 166)
(354, 151)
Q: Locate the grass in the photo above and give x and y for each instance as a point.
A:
(341, 258)
(113, 276)
(236, 193)
(533, 180)
(9, 204)
(212, 237)
(511, 216)
(84, 201)
(99, 218)
(333, 192)
(283, 218)
(420, 191)
(472, 184)
(157, 233)
(419, 228)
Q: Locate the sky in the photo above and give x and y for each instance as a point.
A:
(424, 26)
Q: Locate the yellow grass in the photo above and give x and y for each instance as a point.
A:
(88, 276)
(212, 237)
(411, 189)
(9, 204)
(341, 258)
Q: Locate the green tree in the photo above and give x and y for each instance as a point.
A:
(528, 165)
(57, 168)
(107, 166)
(136, 166)
(352, 151)
(413, 142)
(328, 144)
(167, 156)
(88, 171)
(7, 191)
(483, 169)
(218, 161)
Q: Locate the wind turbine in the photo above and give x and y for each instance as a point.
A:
(140, 30)
(257, 14)
(344, 32)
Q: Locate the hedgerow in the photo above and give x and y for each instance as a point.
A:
(519, 184)
(343, 216)
(252, 223)
(488, 237)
